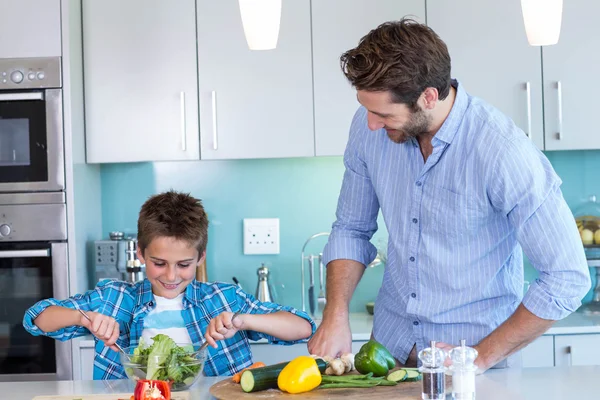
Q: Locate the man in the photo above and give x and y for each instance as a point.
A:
(463, 193)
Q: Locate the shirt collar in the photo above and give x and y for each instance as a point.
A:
(145, 295)
(453, 121)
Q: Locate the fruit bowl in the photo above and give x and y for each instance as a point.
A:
(181, 367)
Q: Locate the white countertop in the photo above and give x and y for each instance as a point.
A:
(514, 384)
(361, 325)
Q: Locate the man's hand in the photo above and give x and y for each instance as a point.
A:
(103, 327)
(480, 363)
(332, 338)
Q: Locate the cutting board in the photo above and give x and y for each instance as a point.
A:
(115, 396)
(227, 390)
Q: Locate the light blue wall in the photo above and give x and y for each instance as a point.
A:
(301, 192)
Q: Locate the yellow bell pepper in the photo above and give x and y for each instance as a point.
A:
(300, 375)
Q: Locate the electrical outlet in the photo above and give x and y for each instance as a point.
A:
(261, 235)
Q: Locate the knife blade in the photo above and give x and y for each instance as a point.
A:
(311, 288)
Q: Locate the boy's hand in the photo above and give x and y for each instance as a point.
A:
(223, 327)
(103, 327)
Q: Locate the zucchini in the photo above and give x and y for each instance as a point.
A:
(263, 378)
(413, 376)
(397, 376)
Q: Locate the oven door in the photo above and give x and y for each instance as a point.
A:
(29, 272)
(31, 141)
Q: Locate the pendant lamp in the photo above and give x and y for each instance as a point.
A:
(261, 19)
(542, 21)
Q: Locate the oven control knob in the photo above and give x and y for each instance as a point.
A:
(4, 230)
(16, 76)
(31, 76)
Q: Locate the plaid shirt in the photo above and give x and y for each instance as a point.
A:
(129, 303)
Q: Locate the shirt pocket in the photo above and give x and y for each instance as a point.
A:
(456, 217)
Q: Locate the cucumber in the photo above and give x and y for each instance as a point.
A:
(397, 376)
(412, 376)
(257, 379)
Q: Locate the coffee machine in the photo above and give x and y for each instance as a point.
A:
(116, 258)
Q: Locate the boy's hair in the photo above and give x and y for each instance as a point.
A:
(401, 57)
(173, 214)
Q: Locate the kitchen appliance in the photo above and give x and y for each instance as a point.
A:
(33, 266)
(264, 293)
(31, 127)
(116, 258)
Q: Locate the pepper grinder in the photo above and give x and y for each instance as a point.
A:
(432, 369)
(463, 372)
(263, 289)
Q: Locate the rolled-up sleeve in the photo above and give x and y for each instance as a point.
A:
(250, 305)
(356, 215)
(70, 332)
(528, 190)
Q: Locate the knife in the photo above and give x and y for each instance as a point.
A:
(311, 288)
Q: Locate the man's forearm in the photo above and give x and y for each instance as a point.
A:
(54, 318)
(342, 278)
(516, 332)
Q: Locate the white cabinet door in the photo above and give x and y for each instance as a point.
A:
(491, 57)
(539, 353)
(338, 25)
(254, 104)
(140, 80)
(87, 363)
(572, 350)
(30, 28)
(273, 354)
(570, 85)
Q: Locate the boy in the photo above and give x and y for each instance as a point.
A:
(172, 237)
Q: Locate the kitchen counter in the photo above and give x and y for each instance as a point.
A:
(362, 323)
(515, 384)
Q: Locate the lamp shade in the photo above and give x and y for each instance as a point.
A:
(542, 21)
(261, 19)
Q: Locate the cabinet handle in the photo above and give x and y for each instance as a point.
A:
(214, 119)
(570, 354)
(183, 122)
(560, 110)
(528, 91)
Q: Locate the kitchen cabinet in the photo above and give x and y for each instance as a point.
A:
(254, 104)
(140, 77)
(572, 350)
(337, 26)
(539, 353)
(30, 28)
(569, 84)
(492, 58)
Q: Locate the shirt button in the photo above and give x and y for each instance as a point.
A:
(415, 220)
(412, 259)
(415, 323)
(151, 304)
(413, 295)
(418, 183)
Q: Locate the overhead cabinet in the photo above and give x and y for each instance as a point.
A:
(570, 83)
(337, 26)
(492, 59)
(30, 28)
(141, 80)
(254, 104)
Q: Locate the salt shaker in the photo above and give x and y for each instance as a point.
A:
(432, 369)
(463, 372)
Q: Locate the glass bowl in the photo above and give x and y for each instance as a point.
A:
(182, 369)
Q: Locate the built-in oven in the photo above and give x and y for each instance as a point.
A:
(33, 266)
(31, 127)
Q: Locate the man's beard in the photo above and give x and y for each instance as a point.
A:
(418, 124)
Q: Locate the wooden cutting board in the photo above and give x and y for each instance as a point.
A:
(115, 396)
(227, 390)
